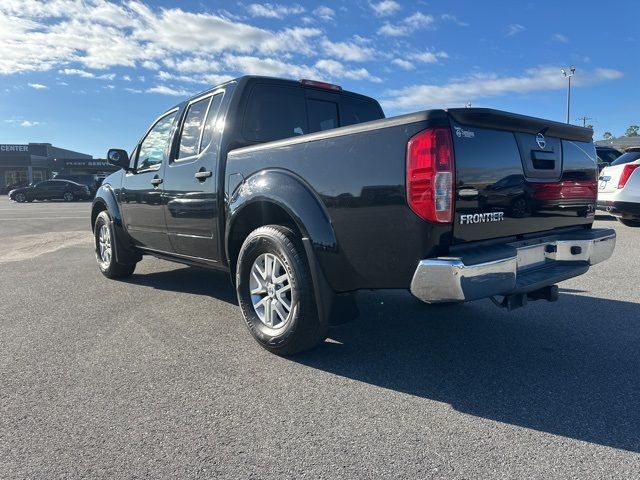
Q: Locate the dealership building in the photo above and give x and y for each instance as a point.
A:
(33, 162)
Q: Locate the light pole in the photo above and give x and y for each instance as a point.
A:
(572, 69)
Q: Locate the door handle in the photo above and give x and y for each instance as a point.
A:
(203, 174)
(156, 181)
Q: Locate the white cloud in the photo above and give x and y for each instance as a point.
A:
(95, 34)
(84, 74)
(417, 97)
(208, 79)
(454, 19)
(428, 57)
(38, 86)
(407, 26)
(404, 64)
(250, 65)
(324, 13)
(607, 74)
(349, 51)
(27, 123)
(558, 37)
(149, 65)
(269, 10)
(337, 70)
(514, 28)
(166, 90)
(77, 72)
(193, 65)
(385, 8)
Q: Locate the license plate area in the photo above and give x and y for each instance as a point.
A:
(532, 256)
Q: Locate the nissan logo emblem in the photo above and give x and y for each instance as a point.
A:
(540, 140)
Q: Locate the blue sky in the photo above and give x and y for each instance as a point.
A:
(92, 74)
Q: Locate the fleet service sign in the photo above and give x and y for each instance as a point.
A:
(14, 148)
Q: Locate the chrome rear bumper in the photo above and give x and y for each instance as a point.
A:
(516, 267)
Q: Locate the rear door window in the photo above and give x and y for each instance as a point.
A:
(210, 123)
(192, 129)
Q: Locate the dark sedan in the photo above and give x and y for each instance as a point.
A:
(50, 190)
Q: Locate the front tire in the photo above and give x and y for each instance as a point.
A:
(104, 240)
(68, 197)
(275, 292)
(629, 223)
(20, 197)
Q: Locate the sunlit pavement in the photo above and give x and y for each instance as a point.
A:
(156, 377)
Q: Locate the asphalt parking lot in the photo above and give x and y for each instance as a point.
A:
(156, 376)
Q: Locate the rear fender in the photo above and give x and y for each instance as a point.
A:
(294, 196)
(297, 199)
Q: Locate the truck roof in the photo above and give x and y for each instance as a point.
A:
(247, 79)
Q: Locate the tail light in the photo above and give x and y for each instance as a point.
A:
(430, 186)
(565, 190)
(626, 173)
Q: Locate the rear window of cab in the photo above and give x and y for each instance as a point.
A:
(275, 112)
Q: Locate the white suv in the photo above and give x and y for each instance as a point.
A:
(619, 188)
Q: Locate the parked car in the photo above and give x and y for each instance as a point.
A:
(305, 194)
(8, 188)
(619, 188)
(50, 190)
(93, 182)
(606, 155)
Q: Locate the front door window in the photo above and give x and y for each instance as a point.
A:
(154, 148)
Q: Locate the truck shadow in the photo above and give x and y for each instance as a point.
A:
(194, 280)
(570, 368)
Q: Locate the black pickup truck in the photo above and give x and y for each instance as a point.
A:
(305, 193)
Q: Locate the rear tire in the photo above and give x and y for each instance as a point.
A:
(104, 241)
(629, 223)
(275, 292)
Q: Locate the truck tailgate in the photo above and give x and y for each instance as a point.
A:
(517, 175)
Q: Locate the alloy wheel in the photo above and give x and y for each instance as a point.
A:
(271, 293)
(104, 245)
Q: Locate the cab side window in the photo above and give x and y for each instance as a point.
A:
(210, 125)
(154, 147)
(192, 128)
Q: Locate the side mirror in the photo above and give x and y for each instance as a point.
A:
(119, 158)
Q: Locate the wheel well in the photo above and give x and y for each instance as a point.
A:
(254, 216)
(95, 211)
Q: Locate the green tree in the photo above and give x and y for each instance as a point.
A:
(607, 135)
(632, 131)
